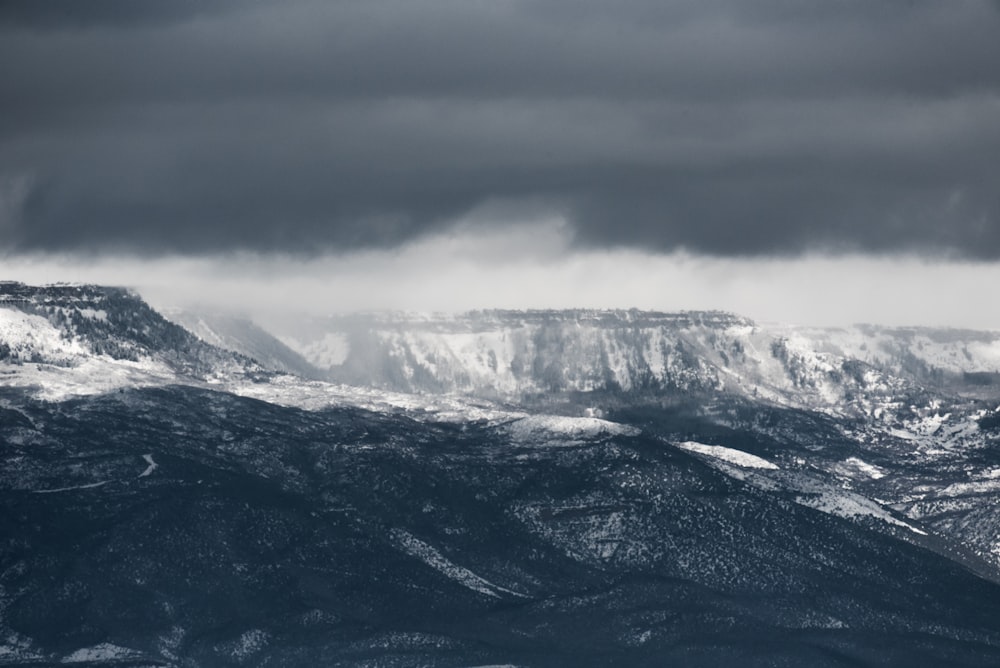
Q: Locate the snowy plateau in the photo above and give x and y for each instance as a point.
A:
(499, 488)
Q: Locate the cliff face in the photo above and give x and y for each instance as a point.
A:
(84, 339)
(512, 355)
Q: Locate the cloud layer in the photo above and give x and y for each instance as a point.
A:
(531, 266)
(718, 127)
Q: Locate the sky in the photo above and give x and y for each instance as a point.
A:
(813, 161)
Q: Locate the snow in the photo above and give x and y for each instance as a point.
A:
(19, 654)
(731, 455)
(329, 351)
(506, 354)
(202, 330)
(429, 555)
(88, 376)
(854, 464)
(103, 652)
(544, 426)
(32, 336)
(94, 314)
(58, 367)
(152, 466)
(811, 492)
(317, 395)
(250, 643)
(851, 506)
(67, 489)
(989, 485)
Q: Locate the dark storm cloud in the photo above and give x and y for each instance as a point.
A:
(724, 127)
(58, 14)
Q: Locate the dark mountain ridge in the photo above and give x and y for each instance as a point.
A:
(276, 537)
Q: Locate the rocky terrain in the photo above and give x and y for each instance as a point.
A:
(502, 488)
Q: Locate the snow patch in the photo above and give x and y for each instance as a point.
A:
(536, 426)
(989, 485)
(67, 489)
(415, 547)
(731, 455)
(18, 652)
(851, 506)
(330, 351)
(152, 466)
(85, 376)
(854, 464)
(103, 652)
(32, 338)
(94, 314)
(289, 390)
(250, 643)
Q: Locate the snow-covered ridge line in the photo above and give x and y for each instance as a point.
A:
(494, 356)
(79, 340)
(546, 426)
(471, 320)
(415, 547)
(731, 455)
(851, 506)
(13, 292)
(809, 491)
(513, 354)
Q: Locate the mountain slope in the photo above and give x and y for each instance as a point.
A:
(243, 336)
(515, 355)
(86, 338)
(904, 409)
(186, 527)
(503, 488)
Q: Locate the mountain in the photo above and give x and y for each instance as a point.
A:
(517, 354)
(179, 526)
(92, 338)
(241, 335)
(912, 402)
(616, 488)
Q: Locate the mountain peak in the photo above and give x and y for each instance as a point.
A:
(69, 324)
(18, 292)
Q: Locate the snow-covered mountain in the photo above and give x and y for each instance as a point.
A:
(512, 354)
(499, 488)
(918, 406)
(241, 335)
(88, 339)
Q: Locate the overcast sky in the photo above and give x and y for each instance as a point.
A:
(790, 159)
